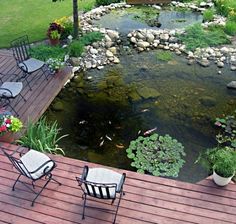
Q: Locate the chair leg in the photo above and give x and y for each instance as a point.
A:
(41, 191)
(84, 197)
(118, 204)
(44, 72)
(13, 187)
(22, 97)
(56, 181)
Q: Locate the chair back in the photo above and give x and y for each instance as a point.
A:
(17, 164)
(98, 190)
(20, 47)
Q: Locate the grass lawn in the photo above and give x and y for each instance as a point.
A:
(32, 17)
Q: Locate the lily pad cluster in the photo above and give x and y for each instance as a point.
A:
(156, 154)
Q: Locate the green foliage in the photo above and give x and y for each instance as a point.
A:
(91, 37)
(159, 155)
(44, 52)
(106, 2)
(230, 28)
(226, 7)
(227, 126)
(76, 48)
(222, 160)
(208, 15)
(88, 7)
(197, 37)
(164, 56)
(16, 124)
(42, 136)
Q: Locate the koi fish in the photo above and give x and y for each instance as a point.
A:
(139, 132)
(145, 110)
(120, 146)
(150, 131)
(82, 122)
(109, 122)
(101, 143)
(109, 138)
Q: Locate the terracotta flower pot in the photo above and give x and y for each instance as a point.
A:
(7, 137)
(54, 42)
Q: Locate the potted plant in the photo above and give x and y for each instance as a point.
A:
(54, 33)
(8, 126)
(55, 64)
(222, 162)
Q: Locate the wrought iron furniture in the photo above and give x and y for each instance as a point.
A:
(101, 183)
(28, 65)
(9, 91)
(33, 165)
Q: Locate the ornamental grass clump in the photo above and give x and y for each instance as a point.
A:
(158, 155)
(42, 136)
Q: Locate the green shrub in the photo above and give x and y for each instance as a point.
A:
(106, 2)
(76, 48)
(208, 15)
(196, 36)
(91, 37)
(230, 28)
(158, 155)
(44, 52)
(164, 56)
(42, 136)
(226, 7)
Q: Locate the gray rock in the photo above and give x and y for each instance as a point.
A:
(231, 85)
(220, 64)
(93, 51)
(208, 101)
(58, 106)
(109, 44)
(116, 60)
(113, 34)
(113, 50)
(204, 62)
(150, 37)
(88, 64)
(133, 40)
(109, 54)
(143, 44)
(233, 68)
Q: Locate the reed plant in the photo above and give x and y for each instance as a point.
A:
(42, 136)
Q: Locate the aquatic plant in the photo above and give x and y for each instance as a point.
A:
(164, 56)
(42, 136)
(227, 127)
(158, 155)
(196, 37)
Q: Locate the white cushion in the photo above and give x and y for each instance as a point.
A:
(32, 160)
(31, 65)
(14, 87)
(104, 176)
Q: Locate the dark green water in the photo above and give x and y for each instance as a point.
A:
(181, 100)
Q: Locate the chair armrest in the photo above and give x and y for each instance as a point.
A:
(83, 176)
(9, 91)
(122, 181)
(44, 164)
(23, 67)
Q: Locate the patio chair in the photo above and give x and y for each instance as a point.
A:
(101, 183)
(33, 165)
(9, 91)
(28, 65)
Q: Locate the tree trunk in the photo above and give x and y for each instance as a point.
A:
(75, 18)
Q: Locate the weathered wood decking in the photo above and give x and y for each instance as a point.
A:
(43, 91)
(148, 199)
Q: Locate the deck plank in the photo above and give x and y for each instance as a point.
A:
(148, 199)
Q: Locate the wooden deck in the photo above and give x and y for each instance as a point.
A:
(43, 91)
(148, 199)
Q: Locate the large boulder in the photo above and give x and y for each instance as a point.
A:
(146, 92)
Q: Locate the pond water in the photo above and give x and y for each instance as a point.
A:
(127, 20)
(103, 114)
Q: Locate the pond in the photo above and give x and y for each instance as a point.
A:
(104, 113)
(129, 19)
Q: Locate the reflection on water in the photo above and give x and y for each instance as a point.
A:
(103, 115)
(134, 18)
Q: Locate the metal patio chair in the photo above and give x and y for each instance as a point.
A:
(34, 165)
(9, 91)
(101, 183)
(28, 65)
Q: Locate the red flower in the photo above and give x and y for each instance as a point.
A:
(8, 121)
(3, 128)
